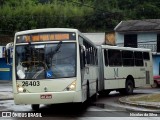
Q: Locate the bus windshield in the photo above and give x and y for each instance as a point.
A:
(45, 61)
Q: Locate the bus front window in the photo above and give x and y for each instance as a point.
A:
(45, 61)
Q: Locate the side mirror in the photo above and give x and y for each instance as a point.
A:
(82, 55)
(8, 53)
(7, 56)
(83, 47)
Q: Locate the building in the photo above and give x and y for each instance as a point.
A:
(96, 38)
(141, 34)
(102, 38)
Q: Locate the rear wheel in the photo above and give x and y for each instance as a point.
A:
(129, 87)
(128, 90)
(35, 106)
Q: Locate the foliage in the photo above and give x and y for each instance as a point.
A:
(85, 15)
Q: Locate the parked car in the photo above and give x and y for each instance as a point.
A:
(156, 81)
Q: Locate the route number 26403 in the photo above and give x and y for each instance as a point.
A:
(30, 83)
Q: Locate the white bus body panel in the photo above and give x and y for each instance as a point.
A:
(55, 88)
(91, 76)
(115, 77)
(57, 97)
(88, 73)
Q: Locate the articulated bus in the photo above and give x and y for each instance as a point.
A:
(61, 65)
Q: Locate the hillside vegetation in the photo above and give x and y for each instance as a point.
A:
(85, 15)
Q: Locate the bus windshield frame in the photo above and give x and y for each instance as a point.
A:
(49, 60)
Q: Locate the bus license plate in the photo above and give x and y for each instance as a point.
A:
(46, 96)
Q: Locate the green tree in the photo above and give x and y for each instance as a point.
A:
(148, 11)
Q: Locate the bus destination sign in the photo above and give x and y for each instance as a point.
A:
(41, 37)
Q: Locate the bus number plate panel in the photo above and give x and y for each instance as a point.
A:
(46, 96)
(30, 83)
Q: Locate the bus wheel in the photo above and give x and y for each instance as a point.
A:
(35, 106)
(129, 87)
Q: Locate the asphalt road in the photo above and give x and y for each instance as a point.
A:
(104, 107)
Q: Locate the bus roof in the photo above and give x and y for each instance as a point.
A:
(124, 48)
(54, 30)
(47, 30)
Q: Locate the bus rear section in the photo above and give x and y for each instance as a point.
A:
(126, 68)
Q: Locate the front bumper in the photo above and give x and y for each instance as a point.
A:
(35, 98)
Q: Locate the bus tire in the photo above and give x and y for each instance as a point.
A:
(35, 106)
(129, 87)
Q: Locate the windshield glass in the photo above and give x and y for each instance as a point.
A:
(45, 61)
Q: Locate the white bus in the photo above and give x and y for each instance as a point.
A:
(59, 65)
(124, 68)
(54, 65)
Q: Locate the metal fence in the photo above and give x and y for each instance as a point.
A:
(153, 47)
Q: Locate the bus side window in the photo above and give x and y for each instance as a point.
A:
(128, 58)
(114, 57)
(138, 58)
(106, 57)
(82, 57)
(146, 56)
(87, 57)
(96, 57)
(90, 53)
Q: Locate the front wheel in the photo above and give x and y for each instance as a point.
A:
(35, 106)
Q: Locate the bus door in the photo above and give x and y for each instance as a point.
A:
(110, 69)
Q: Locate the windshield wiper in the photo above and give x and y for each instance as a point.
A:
(57, 47)
(55, 51)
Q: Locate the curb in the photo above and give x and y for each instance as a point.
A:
(126, 100)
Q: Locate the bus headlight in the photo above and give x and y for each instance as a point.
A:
(20, 89)
(71, 87)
